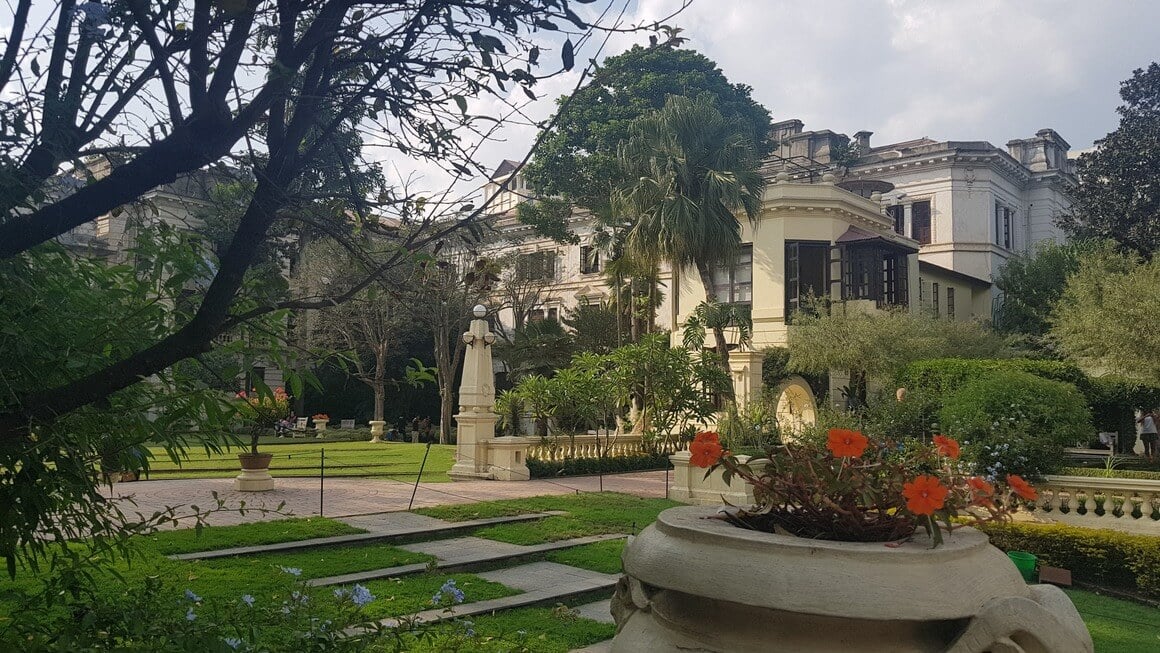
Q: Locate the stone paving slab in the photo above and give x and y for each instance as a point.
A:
(356, 496)
(454, 558)
(441, 528)
(597, 611)
(553, 583)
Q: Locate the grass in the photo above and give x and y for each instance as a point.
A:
(321, 562)
(1118, 626)
(212, 538)
(302, 458)
(588, 514)
(603, 557)
(535, 630)
(404, 596)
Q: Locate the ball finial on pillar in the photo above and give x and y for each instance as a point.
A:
(479, 311)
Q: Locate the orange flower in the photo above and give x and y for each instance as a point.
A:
(844, 442)
(979, 487)
(1022, 487)
(946, 446)
(924, 495)
(706, 449)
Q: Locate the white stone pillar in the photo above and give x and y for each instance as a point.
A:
(475, 421)
(745, 368)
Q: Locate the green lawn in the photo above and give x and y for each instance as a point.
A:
(303, 457)
(1118, 626)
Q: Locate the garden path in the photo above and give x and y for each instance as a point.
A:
(364, 497)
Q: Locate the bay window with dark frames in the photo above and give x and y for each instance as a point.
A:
(733, 281)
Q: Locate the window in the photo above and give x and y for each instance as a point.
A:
(540, 314)
(807, 274)
(1002, 225)
(950, 302)
(537, 266)
(934, 298)
(589, 260)
(897, 214)
(920, 222)
(733, 284)
(874, 272)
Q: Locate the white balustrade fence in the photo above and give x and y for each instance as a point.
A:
(594, 445)
(1122, 504)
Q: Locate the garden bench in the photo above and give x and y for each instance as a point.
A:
(346, 424)
(299, 430)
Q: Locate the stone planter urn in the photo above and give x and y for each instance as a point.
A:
(255, 476)
(696, 584)
(320, 426)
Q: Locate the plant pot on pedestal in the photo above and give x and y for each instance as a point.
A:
(255, 476)
(700, 584)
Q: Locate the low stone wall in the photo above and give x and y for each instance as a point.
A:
(589, 445)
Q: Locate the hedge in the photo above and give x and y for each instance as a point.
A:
(1097, 556)
(1112, 399)
(1102, 472)
(608, 465)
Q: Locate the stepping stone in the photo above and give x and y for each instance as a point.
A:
(391, 521)
(404, 531)
(463, 554)
(547, 583)
(599, 611)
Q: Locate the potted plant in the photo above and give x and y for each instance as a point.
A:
(853, 544)
(262, 412)
(320, 421)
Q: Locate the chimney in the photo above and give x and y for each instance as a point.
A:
(862, 140)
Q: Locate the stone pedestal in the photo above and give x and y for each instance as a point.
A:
(377, 430)
(508, 460)
(254, 480)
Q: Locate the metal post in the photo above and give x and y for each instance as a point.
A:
(321, 481)
(666, 481)
(421, 466)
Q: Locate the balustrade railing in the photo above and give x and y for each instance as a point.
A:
(1124, 504)
(597, 445)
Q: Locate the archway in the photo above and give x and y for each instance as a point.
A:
(796, 406)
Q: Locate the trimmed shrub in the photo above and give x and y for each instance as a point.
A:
(947, 375)
(608, 465)
(1102, 472)
(1015, 423)
(1098, 556)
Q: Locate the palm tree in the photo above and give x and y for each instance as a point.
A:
(695, 169)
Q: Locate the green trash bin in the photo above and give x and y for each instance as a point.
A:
(1025, 562)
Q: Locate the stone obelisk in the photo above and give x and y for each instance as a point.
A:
(475, 421)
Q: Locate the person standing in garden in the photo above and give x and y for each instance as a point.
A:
(1148, 433)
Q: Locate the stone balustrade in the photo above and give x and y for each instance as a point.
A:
(587, 445)
(1123, 504)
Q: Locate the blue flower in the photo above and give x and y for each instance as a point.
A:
(192, 597)
(340, 593)
(450, 588)
(248, 600)
(233, 642)
(469, 628)
(361, 596)
(285, 609)
(299, 596)
(293, 571)
(189, 615)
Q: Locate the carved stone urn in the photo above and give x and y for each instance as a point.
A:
(698, 584)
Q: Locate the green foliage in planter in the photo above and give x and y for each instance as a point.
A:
(1012, 422)
(606, 465)
(1098, 556)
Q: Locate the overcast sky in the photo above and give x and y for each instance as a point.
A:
(961, 70)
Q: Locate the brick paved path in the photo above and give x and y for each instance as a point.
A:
(355, 496)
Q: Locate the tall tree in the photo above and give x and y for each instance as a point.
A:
(1118, 197)
(694, 168)
(577, 157)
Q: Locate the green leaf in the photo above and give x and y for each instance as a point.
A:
(461, 103)
(568, 56)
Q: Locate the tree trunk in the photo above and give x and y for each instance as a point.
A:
(718, 332)
(380, 384)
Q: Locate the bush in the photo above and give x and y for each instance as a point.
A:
(1103, 472)
(1097, 556)
(1015, 423)
(608, 465)
(946, 375)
